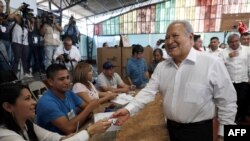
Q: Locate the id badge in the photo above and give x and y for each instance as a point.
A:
(71, 114)
(35, 40)
(55, 36)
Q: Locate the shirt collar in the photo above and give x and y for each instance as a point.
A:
(192, 56)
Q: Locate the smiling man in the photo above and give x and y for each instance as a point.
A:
(192, 85)
(57, 108)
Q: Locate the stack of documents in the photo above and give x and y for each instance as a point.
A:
(122, 99)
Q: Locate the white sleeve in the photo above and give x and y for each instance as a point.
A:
(224, 95)
(57, 53)
(147, 94)
(78, 87)
(77, 55)
(45, 135)
(101, 81)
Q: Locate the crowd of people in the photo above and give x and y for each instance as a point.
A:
(36, 42)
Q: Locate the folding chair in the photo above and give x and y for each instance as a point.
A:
(37, 88)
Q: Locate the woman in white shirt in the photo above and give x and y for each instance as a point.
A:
(83, 86)
(16, 110)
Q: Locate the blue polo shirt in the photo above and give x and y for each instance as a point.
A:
(50, 107)
(136, 69)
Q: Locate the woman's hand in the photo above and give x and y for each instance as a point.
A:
(99, 127)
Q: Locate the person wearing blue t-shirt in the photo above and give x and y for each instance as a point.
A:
(57, 109)
(136, 69)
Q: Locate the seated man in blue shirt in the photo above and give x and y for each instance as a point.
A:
(57, 108)
(136, 69)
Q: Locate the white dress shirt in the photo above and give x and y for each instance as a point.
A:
(42, 135)
(217, 52)
(74, 53)
(192, 90)
(239, 66)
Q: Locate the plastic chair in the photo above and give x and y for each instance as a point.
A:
(37, 88)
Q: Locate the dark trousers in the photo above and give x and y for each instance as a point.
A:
(243, 96)
(198, 131)
(20, 52)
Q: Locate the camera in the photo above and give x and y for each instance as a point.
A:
(66, 57)
(25, 8)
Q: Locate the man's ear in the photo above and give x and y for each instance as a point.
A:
(7, 107)
(50, 81)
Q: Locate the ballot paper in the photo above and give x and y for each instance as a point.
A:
(122, 99)
(99, 116)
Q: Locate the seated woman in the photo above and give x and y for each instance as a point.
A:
(83, 86)
(158, 57)
(18, 108)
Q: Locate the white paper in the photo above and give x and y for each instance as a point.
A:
(55, 36)
(99, 116)
(122, 99)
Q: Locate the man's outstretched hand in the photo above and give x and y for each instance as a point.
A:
(122, 115)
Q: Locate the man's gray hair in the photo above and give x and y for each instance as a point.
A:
(230, 37)
(186, 24)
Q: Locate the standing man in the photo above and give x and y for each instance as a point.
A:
(136, 68)
(237, 61)
(214, 47)
(51, 32)
(192, 84)
(245, 39)
(109, 80)
(198, 43)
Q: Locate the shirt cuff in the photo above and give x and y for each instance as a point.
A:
(131, 108)
(221, 130)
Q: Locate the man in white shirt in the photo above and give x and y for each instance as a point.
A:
(109, 80)
(245, 39)
(192, 84)
(237, 61)
(214, 47)
(67, 54)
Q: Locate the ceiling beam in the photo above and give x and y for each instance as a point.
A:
(76, 2)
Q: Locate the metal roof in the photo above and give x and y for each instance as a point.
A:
(88, 8)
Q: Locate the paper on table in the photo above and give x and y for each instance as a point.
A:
(99, 116)
(122, 99)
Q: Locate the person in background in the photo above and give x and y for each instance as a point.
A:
(223, 46)
(158, 43)
(136, 69)
(20, 46)
(237, 61)
(83, 86)
(109, 80)
(214, 47)
(17, 111)
(67, 54)
(105, 44)
(197, 43)
(165, 54)
(71, 30)
(192, 84)
(245, 39)
(158, 57)
(59, 109)
(51, 32)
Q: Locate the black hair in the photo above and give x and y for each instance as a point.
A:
(9, 93)
(214, 38)
(53, 69)
(104, 44)
(245, 34)
(158, 50)
(136, 49)
(196, 37)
